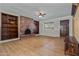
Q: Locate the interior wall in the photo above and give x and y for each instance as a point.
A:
(55, 32)
(76, 24)
(50, 32)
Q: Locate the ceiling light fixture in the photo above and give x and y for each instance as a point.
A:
(40, 13)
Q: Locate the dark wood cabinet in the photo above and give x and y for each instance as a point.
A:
(9, 26)
(71, 46)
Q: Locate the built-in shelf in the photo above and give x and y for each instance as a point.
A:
(9, 26)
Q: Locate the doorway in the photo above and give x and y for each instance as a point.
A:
(37, 27)
(64, 28)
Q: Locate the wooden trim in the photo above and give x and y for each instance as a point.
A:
(0, 26)
(4, 41)
(19, 26)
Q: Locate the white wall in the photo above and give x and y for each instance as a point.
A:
(56, 31)
(76, 24)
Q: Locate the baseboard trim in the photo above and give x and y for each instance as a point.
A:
(4, 41)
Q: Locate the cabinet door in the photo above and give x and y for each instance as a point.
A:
(4, 33)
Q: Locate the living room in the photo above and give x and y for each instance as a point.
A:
(39, 29)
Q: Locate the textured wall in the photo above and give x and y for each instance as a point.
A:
(55, 32)
(76, 24)
(26, 22)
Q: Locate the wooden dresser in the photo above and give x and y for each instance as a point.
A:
(71, 46)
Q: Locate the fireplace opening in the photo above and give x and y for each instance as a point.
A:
(27, 31)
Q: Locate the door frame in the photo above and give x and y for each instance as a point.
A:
(18, 27)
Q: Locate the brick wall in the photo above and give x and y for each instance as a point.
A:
(26, 22)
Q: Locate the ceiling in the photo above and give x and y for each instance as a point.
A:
(52, 10)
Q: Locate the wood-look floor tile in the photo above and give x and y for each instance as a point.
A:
(33, 46)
